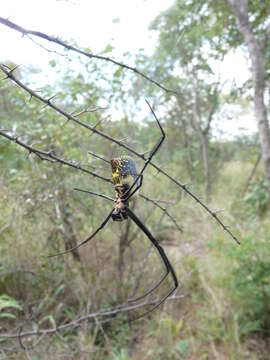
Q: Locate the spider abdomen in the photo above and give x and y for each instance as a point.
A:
(124, 173)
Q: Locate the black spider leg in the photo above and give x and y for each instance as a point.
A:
(101, 226)
(96, 194)
(169, 267)
(125, 198)
(129, 192)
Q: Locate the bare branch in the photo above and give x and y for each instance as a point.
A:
(10, 75)
(41, 35)
(50, 156)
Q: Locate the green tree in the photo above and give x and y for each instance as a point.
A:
(194, 33)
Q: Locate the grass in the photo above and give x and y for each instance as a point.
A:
(223, 309)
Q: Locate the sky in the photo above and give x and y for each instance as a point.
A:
(94, 24)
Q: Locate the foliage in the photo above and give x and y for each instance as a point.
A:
(7, 304)
(248, 282)
(257, 197)
(224, 289)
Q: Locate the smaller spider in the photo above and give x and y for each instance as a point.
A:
(127, 182)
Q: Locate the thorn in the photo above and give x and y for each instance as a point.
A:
(72, 113)
(218, 211)
(187, 184)
(52, 97)
(125, 138)
(85, 111)
(16, 67)
(97, 109)
(146, 152)
(98, 157)
(6, 66)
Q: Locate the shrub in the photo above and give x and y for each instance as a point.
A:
(257, 197)
(248, 282)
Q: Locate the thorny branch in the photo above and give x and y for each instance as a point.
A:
(68, 116)
(41, 35)
(50, 156)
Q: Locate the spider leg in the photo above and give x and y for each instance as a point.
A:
(152, 153)
(160, 250)
(125, 198)
(152, 289)
(101, 226)
(96, 194)
(156, 306)
(169, 268)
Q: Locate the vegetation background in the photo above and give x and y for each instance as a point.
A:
(222, 308)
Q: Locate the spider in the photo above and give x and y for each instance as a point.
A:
(127, 182)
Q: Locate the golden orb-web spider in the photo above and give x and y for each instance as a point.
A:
(127, 182)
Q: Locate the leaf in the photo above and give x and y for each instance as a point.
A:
(118, 72)
(109, 48)
(8, 302)
(50, 319)
(7, 315)
(179, 325)
(181, 347)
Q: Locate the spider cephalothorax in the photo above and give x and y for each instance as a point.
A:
(124, 174)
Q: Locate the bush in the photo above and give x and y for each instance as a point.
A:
(257, 197)
(249, 283)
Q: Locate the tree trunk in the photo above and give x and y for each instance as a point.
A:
(239, 9)
(63, 213)
(188, 154)
(205, 161)
(203, 133)
(253, 172)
